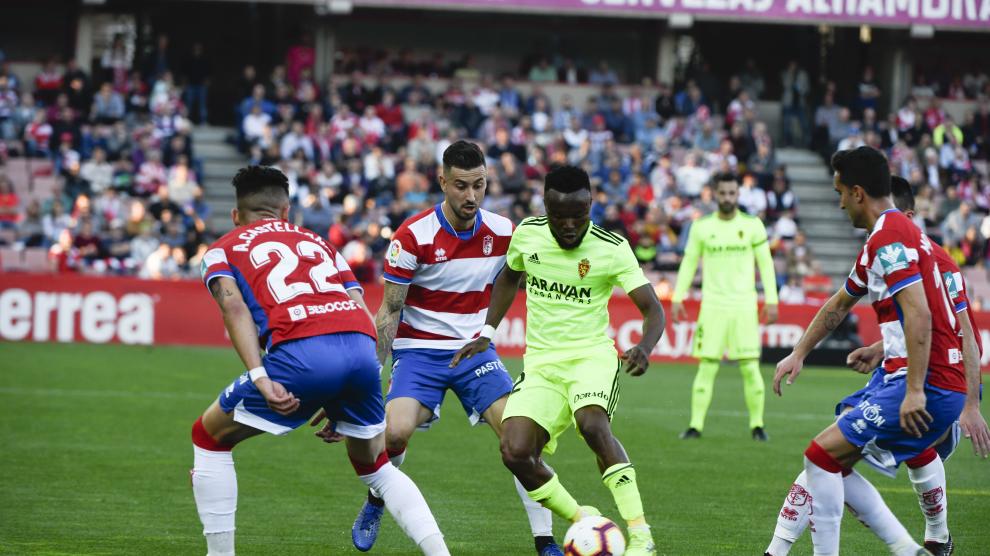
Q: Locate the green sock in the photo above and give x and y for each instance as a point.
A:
(555, 498)
(753, 390)
(701, 392)
(620, 479)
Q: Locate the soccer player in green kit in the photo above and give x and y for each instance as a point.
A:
(571, 368)
(729, 241)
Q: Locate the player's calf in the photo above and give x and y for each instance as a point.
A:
(214, 484)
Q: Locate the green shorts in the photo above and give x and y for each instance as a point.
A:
(549, 391)
(721, 330)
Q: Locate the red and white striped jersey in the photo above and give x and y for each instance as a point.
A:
(450, 276)
(896, 256)
(956, 287)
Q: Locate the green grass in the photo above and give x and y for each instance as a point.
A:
(95, 454)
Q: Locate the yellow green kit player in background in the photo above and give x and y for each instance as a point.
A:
(728, 241)
(571, 369)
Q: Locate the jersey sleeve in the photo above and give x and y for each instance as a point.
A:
(626, 272)
(514, 255)
(857, 280)
(893, 258)
(956, 288)
(764, 261)
(215, 265)
(401, 259)
(346, 274)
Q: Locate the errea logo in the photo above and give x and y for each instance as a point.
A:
(440, 255)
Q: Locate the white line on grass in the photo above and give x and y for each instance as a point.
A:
(99, 393)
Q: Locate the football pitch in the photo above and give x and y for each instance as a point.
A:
(95, 453)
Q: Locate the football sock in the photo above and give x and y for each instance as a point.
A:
(867, 505)
(405, 502)
(540, 518)
(701, 392)
(620, 479)
(825, 485)
(752, 390)
(927, 474)
(555, 497)
(792, 518)
(396, 458)
(214, 484)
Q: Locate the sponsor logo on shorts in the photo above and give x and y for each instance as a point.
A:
(585, 395)
(872, 413)
(859, 425)
(489, 367)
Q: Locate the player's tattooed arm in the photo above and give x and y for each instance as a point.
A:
(237, 319)
(387, 318)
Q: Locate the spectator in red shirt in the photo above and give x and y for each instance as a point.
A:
(10, 205)
(299, 57)
(48, 83)
(640, 191)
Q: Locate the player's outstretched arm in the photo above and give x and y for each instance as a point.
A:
(865, 359)
(685, 274)
(826, 320)
(503, 293)
(918, 340)
(764, 261)
(387, 319)
(637, 358)
(971, 421)
(244, 335)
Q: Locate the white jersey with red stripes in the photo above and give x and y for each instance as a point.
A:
(896, 256)
(450, 276)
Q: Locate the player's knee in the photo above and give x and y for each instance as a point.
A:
(596, 432)
(517, 456)
(201, 438)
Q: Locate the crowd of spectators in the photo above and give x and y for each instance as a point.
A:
(945, 160)
(362, 152)
(99, 169)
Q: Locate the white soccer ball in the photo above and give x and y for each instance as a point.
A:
(594, 536)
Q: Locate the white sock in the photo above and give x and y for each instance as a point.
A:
(215, 490)
(540, 518)
(929, 483)
(826, 488)
(408, 507)
(220, 544)
(396, 461)
(792, 518)
(868, 506)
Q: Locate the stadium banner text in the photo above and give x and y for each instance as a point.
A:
(961, 14)
(75, 308)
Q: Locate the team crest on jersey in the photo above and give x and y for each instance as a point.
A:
(394, 250)
(893, 257)
(583, 267)
(487, 244)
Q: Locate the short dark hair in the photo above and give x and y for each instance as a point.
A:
(724, 176)
(903, 195)
(261, 187)
(567, 179)
(865, 167)
(464, 155)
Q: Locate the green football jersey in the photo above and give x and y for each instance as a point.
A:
(568, 290)
(729, 249)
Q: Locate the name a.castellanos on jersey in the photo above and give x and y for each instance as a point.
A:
(556, 290)
(248, 236)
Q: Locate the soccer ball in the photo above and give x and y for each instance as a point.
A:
(594, 536)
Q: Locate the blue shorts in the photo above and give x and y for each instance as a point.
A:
(873, 423)
(425, 375)
(336, 372)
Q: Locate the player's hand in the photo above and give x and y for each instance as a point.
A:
(790, 367)
(637, 360)
(677, 312)
(279, 399)
(769, 314)
(974, 427)
(864, 359)
(914, 416)
(329, 432)
(470, 350)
